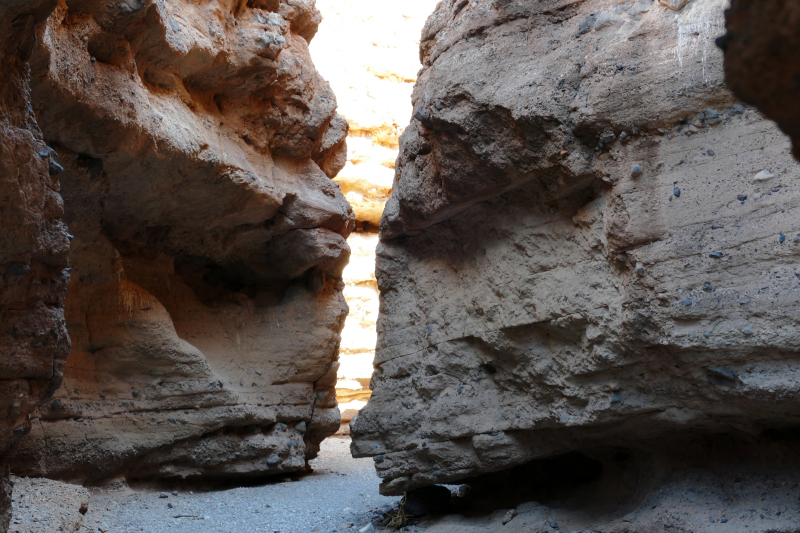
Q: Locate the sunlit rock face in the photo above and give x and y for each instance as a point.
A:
(590, 244)
(33, 244)
(205, 305)
(369, 51)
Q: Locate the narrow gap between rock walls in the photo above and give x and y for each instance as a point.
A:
(369, 53)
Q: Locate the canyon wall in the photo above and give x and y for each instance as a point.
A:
(369, 53)
(33, 244)
(205, 301)
(591, 245)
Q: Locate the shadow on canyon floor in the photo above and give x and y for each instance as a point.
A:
(730, 482)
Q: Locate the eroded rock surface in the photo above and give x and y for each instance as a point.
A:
(590, 243)
(47, 506)
(198, 144)
(33, 244)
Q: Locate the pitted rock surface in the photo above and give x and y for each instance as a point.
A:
(567, 262)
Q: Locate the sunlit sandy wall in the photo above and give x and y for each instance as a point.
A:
(369, 52)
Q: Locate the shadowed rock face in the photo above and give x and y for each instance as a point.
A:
(33, 244)
(198, 144)
(761, 59)
(590, 243)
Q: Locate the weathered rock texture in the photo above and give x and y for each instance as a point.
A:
(205, 305)
(47, 506)
(761, 59)
(581, 249)
(33, 243)
(370, 53)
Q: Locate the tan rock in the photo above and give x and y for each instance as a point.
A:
(675, 5)
(46, 506)
(565, 263)
(205, 300)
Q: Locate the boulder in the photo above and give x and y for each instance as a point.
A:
(537, 296)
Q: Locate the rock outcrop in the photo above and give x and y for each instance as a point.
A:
(761, 59)
(205, 302)
(590, 244)
(33, 244)
(47, 506)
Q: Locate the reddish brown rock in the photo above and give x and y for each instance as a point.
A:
(33, 243)
(205, 302)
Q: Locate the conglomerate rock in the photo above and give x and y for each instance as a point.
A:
(198, 144)
(33, 244)
(590, 244)
(47, 506)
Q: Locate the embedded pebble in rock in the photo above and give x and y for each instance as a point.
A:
(509, 516)
(677, 192)
(675, 5)
(764, 175)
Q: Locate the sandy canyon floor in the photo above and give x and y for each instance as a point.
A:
(340, 495)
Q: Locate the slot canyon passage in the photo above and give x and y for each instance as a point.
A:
(568, 241)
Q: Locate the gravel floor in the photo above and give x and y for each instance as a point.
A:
(339, 496)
